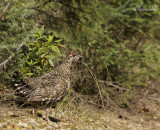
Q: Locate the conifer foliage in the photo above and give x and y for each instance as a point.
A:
(119, 39)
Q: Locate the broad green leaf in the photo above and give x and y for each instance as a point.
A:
(50, 39)
(56, 35)
(42, 55)
(32, 44)
(29, 63)
(50, 62)
(40, 51)
(55, 48)
(59, 40)
(33, 63)
(28, 74)
(37, 44)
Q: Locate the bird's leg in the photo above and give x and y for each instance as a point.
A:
(51, 108)
(46, 113)
(49, 111)
(50, 118)
(33, 112)
(43, 114)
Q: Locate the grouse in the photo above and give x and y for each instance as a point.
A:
(51, 87)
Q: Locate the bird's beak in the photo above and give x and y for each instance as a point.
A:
(80, 57)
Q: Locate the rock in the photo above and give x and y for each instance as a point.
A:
(9, 113)
(9, 127)
(17, 128)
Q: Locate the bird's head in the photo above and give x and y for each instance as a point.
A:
(73, 57)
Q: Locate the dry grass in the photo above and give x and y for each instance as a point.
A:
(81, 111)
(76, 112)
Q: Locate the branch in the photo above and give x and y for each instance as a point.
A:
(95, 79)
(113, 85)
(5, 9)
(10, 57)
(156, 99)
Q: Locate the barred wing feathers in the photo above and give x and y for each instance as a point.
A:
(50, 90)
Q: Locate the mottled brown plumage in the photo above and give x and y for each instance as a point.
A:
(51, 87)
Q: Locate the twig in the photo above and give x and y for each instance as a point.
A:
(122, 29)
(4, 62)
(10, 57)
(155, 99)
(94, 77)
(109, 77)
(138, 44)
(5, 9)
(113, 85)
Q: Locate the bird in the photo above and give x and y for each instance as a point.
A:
(51, 87)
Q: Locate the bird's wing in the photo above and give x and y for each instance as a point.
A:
(32, 82)
(35, 82)
(49, 90)
(52, 74)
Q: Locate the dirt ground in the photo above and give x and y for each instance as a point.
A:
(142, 114)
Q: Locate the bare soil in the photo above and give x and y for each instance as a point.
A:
(143, 113)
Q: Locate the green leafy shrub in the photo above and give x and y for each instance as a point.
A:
(118, 41)
(42, 54)
(16, 28)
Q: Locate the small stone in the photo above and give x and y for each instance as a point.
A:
(141, 119)
(155, 118)
(91, 119)
(97, 122)
(9, 127)
(9, 113)
(30, 127)
(103, 118)
(17, 128)
(55, 125)
(33, 125)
